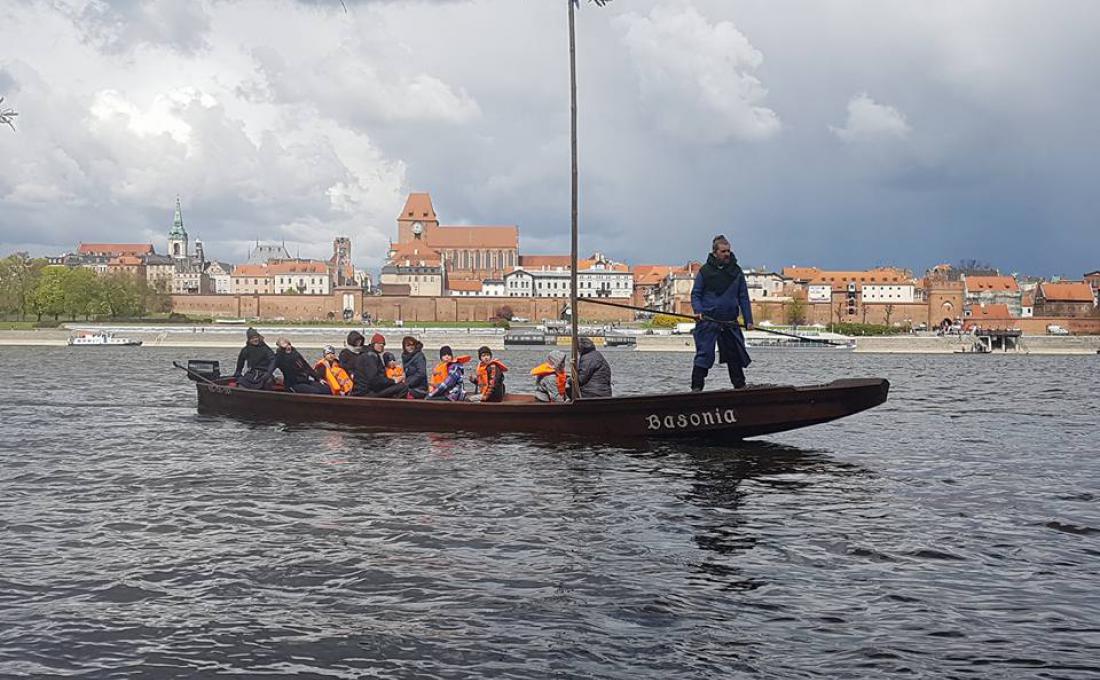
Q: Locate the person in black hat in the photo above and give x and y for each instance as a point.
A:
(446, 382)
(490, 375)
(364, 365)
(260, 361)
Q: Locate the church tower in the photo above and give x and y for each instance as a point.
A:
(177, 237)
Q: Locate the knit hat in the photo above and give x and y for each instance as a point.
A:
(253, 333)
(355, 339)
(377, 337)
(556, 358)
(446, 350)
(484, 349)
(329, 349)
(387, 357)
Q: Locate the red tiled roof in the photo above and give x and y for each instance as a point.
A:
(418, 206)
(297, 267)
(471, 285)
(878, 275)
(990, 311)
(116, 248)
(474, 236)
(995, 284)
(1067, 291)
(414, 253)
(250, 270)
(125, 261)
(539, 261)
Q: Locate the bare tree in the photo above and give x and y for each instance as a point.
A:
(7, 115)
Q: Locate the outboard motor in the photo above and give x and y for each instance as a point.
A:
(209, 369)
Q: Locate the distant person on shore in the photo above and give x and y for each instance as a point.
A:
(490, 376)
(720, 294)
(551, 380)
(260, 361)
(593, 371)
(338, 381)
(416, 366)
(298, 375)
(448, 376)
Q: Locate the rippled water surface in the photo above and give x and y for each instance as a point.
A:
(953, 531)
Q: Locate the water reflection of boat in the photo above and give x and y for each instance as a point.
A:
(688, 415)
(101, 339)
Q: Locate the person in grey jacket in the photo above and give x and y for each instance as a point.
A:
(593, 371)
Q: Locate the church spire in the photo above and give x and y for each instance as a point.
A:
(178, 232)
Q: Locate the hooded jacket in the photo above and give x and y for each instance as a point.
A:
(416, 368)
(593, 371)
(295, 369)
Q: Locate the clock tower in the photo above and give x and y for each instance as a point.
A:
(417, 220)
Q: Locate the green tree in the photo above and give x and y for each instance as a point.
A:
(81, 287)
(18, 279)
(795, 312)
(49, 294)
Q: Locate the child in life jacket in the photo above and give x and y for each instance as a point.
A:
(490, 376)
(551, 381)
(393, 369)
(446, 380)
(329, 368)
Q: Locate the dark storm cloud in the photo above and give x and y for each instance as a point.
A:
(813, 133)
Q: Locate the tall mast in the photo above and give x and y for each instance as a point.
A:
(573, 311)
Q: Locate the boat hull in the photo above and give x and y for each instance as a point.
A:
(726, 414)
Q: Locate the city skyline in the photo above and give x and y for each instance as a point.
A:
(944, 134)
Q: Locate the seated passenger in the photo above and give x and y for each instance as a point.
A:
(593, 371)
(490, 376)
(447, 377)
(353, 360)
(393, 369)
(374, 373)
(551, 381)
(260, 360)
(338, 381)
(298, 375)
(416, 367)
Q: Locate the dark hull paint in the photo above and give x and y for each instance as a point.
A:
(726, 414)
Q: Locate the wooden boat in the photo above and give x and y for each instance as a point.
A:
(718, 414)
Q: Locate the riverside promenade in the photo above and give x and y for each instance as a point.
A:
(470, 338)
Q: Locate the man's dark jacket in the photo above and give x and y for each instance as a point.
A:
(366, 370)
(593, 371)
(295, 369)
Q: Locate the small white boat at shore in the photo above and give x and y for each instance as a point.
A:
(101, 339)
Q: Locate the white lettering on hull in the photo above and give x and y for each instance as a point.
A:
(687, 421)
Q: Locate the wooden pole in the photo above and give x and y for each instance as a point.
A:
(574, 312)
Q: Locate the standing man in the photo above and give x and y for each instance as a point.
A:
(719, 295)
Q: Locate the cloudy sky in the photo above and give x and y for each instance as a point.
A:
(833, 133)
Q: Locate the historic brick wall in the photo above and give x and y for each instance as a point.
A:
(384, 308)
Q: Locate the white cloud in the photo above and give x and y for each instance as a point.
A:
(869, 121)
(696, 75)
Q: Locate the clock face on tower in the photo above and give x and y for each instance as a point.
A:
(418, 228)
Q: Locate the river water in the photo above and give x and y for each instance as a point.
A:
(952, 532)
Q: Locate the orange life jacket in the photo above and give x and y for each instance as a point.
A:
(439, 374)
(483, 385)
(395, 372)
(338, 380)
(546, 368)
